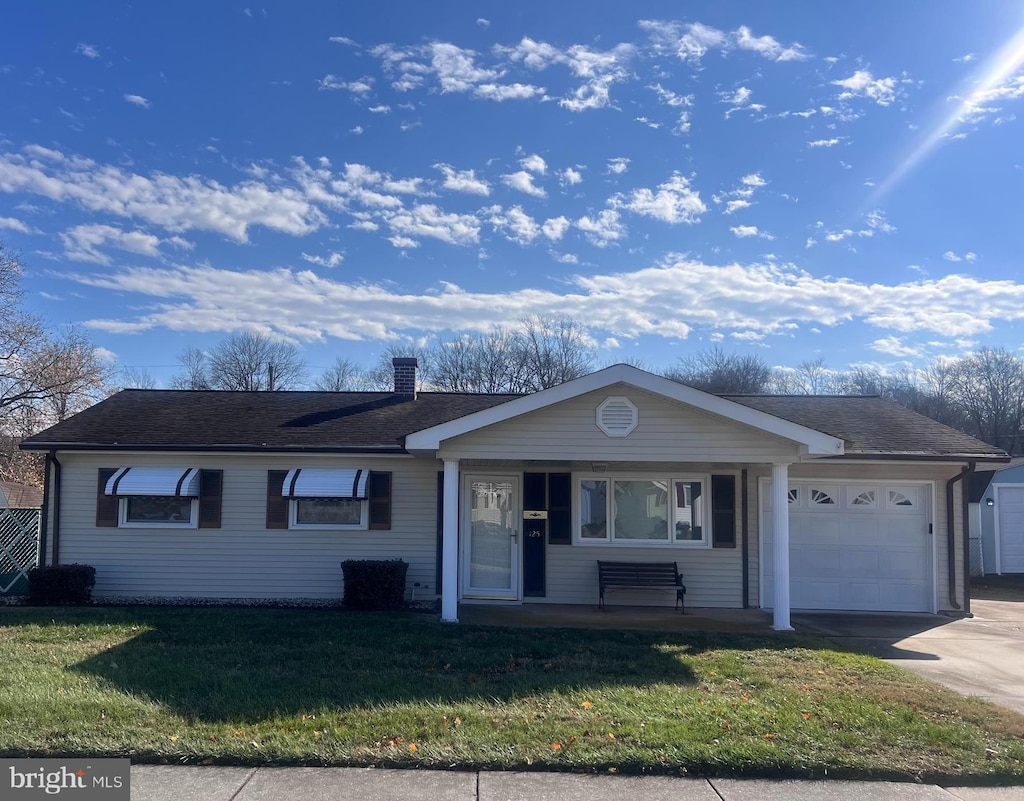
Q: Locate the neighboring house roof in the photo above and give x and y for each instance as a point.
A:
(381, 422)
(20, 496)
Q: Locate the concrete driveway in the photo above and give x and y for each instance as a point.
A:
(982, 656)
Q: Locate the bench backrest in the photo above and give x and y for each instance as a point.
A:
(637, 574)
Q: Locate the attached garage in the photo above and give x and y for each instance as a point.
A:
(1009, 504)
(854, 546)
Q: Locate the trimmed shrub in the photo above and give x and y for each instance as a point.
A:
(61, 584)
(374, 584)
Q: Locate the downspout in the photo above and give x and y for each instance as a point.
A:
(56, 509)
(745, 531)
(951, 537)
(44, 518)
(965, 511)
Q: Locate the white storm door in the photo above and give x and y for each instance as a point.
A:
(490, 536)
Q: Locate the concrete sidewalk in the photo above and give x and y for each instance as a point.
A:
(172, 783)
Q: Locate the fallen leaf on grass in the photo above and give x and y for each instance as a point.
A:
(413, 747)
(586, 705)
(556, 746)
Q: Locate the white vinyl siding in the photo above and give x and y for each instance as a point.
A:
(243, 558)
(666, 431)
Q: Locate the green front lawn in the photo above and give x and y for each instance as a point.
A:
(323, 687)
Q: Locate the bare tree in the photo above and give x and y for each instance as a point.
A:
(135, 378)
(194, 372)
(557, 349)
(245, 362)
(988, 385)
(45, 376)
(716, 371)
(342, 376)
(492, 362)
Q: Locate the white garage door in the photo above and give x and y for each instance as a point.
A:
(1010, 503)
(853, 546)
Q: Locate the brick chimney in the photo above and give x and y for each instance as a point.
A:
(405, 377)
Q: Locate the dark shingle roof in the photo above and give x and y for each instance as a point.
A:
(379, 421)
(160, 418)
(872, 426)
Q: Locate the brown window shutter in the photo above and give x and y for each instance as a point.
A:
(277, 504)
(723, 511)
(380, 501)
(106, 505)
(211, 491)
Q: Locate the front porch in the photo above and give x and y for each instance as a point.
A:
(647, 618)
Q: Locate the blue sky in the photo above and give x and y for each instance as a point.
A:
(792, 179)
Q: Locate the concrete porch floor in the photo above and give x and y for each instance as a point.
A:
(585, 616)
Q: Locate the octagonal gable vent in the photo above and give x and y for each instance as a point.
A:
(617, 416)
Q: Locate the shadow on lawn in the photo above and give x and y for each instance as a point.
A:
(241, 665)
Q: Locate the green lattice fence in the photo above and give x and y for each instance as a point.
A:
(19, 547)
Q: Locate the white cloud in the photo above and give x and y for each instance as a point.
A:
(618, 165)
(381, 109)
(674, 202)
(603, 229)
(344, 40)
(966, 58)
(740, 198)
(137, 100)
(555, 227)
(764, 298)
(430, 221)
(364, 225)
(570, 177)
(514, 223)
(507, 91)
(768, 47)
(87, 50)
(863, 84)
(483, 23)
(692, 41)
(174, 203)
(359, 129)
(535, 164)
(687, 41)
(824, 142)
(894, 346)
(333, 259)
(403, 242)
(753, 179)
(522, 181)
(747, 231)
(565, 258)
(736, 205)
(360, 86)
(969, 256)
(877, 222)
(463, 180)
(12, 224)
(83, 242)
(599, 70)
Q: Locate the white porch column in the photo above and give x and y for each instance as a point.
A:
(780, 519)
(450, 544)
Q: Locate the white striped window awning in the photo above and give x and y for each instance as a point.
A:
(308, 482)
(180, 482)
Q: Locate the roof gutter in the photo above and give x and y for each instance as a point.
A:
(951, 538)
(395, 450)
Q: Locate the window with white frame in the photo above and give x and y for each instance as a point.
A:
(154, 510)
(647, 510)
(327, 498)
(330, 512)
(155, 496)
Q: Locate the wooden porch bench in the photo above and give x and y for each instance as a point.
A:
(640, 575)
